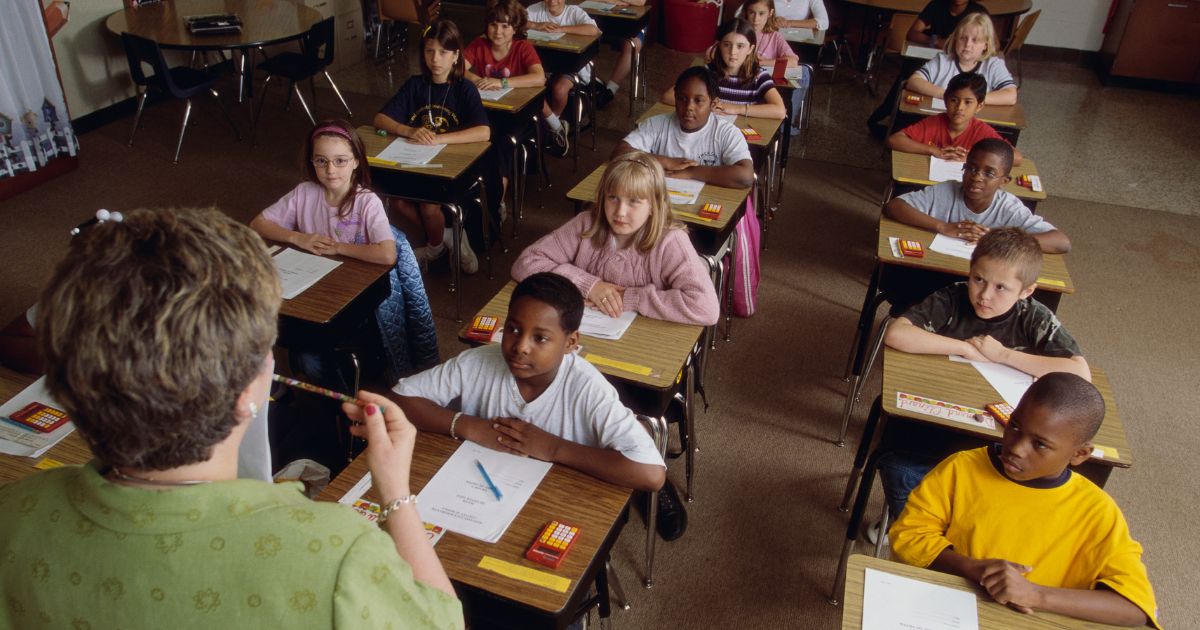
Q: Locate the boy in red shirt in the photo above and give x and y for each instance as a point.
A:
(951, 135)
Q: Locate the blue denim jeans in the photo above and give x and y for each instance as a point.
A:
(900, 472)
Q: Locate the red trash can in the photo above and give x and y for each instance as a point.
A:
(689, 26)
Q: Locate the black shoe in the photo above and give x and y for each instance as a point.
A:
(672, 517)
(604, 97)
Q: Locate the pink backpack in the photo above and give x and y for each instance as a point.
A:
(745, 269)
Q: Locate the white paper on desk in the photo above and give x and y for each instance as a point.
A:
(298, 270)
(684, 192)
(938, 105)
(799, 35)
(894, 602)
(543, 36)
(921, 52)
(405, 152)
(458, 499)
(1009, 382)
(597, 324)
(494, 95)
(951, 246)
(15, 440)
(944, 170)
(596, 6)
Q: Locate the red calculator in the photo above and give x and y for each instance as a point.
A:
(482, 328)
(911, 248)
(39, 417)
(552, 544)
(751, 134)
(710, 211)
(912, 99)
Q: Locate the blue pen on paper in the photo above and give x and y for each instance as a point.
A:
(488, 479)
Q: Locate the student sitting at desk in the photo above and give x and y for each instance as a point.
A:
(625, 61)
(968, 209)
(532, 395)
(629, 253)
(436, 106)
(971, 48)
(555, 16)
(157, 334)
(802, 14)
(990, 317)
(1016, 520)
(938, 20)
(743, 87)
(692, 143)
(950, 135)
(771, 46)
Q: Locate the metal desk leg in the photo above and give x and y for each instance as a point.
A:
(856, 380)
(864, 448)
(456, 215)
(860, 506)
(516, 182)
(729, 291)
(866, 317)
(541, 154)
(658, 430)
(614, 585)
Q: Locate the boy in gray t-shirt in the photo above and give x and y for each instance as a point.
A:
(968, 210)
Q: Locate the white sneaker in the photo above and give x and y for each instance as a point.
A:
(429, 253)
(503, 213)
(873, 533)
(562, 138)
(470, 264)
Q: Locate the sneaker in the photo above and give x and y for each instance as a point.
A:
(561, 139)
(873, 533)
(429, 253)
(672, 517)
(503, 212)
(470, 264)
(604, 97)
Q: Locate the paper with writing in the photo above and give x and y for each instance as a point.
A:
(298, 271)
(494, 95)
(458, 499)
(402, 151)
(597, 324)
(684, 192)
(543, 36)
(951, 246)
(944, 170)
(894, 602)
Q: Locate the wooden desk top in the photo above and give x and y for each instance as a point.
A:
(937, 377)
(992, 616)
(263, 22)
(767, 128)
(568, 43)
(1054, 276)
(995, 8)
(322, 301)
(559, 496)
(455, 158)
(650, 344)
(515, 100)
(72, 450)
(911, 168)
(995, 115)
(629, 12)
(732, 201)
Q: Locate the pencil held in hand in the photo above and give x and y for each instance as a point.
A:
(319, 390)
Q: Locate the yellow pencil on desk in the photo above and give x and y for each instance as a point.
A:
(381, 162)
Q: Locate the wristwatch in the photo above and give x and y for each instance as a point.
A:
(504, 82)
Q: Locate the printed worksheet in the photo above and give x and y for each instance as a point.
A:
(951, 246)
(894, 602)
(299, 270)
(402, 151)
(944, 170)
(684, 192)
(598, 324)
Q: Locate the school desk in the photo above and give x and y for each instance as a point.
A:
(654, 363)
(939, 378)
(599, 510)
(1008, 120)
(910, 171)
(449, 186)
(712, 238)
(567, 56)
(509, 117)
(992, 616)
(888, 277)
(263, 24)
(71, 451)
(627, 23)
(341, 288)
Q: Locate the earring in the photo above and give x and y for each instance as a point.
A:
(253, 409)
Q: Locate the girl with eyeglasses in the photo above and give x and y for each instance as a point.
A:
(629, 253)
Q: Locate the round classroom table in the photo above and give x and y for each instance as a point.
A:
(996, 8)
(263, 22)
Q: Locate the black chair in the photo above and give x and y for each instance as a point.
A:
(316, 53)
(180, 82)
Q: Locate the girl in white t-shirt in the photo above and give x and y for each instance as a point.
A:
(333, 212)
(970, 48)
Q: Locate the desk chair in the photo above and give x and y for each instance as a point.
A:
(835, 38)
(406, 13)
(1018, 40)
(316, 53)
(585, 100)
(891, 45)
(179, 82)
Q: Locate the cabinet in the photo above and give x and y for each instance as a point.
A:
(1154, 39)
(348, 29)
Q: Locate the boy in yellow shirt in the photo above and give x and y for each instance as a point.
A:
(1013, 518)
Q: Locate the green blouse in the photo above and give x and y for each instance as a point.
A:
(79, 552)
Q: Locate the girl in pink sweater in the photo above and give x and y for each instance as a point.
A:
(628, 253)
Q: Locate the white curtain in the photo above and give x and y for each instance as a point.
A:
(34, 125)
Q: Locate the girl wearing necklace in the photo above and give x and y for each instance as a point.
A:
(436, 107)
(157, 335)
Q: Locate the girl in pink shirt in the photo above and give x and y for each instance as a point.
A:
(333, 212)
(628, 253)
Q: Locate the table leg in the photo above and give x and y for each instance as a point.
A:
(864, 448)
(868, 299)
(635, 78)
(456, 215)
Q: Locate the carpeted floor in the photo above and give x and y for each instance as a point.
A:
(764, 532)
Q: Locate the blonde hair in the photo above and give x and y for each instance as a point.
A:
(152, 327)
(975, 18)
(640, 176)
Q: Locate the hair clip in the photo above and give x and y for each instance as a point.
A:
(102, 215)
(426, 31)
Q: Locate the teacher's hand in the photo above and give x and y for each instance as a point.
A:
(390, 438)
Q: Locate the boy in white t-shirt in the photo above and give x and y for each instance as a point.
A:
(692, 143)
(556, 16)
(532, 395)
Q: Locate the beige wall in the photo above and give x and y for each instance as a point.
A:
(90, 60)
(1070, 23)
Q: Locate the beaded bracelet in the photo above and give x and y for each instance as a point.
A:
(452, 423)
(387, 510)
